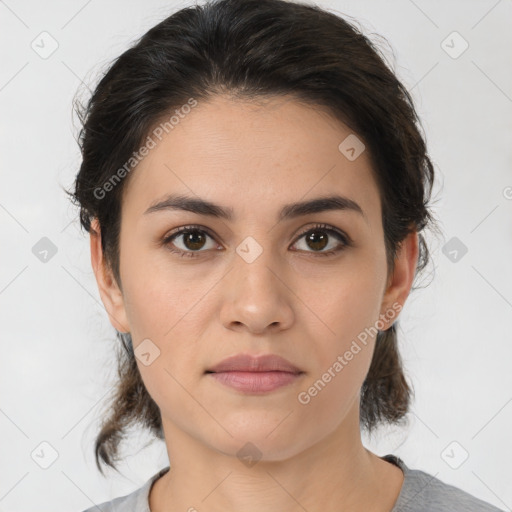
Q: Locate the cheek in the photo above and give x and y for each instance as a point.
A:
(342, 358)
(348, 306)
(168, 306)
(343, 354)
(345, 300)
(159, 292)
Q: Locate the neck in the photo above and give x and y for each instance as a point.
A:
(336, 473)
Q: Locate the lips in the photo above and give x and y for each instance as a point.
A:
(255, 375)
(248, 363)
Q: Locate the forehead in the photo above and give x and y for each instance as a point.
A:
(253, 156)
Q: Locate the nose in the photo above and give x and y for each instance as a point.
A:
(257, 296)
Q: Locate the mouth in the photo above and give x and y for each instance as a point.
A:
(255, 375)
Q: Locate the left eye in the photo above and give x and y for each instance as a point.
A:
(316, 237)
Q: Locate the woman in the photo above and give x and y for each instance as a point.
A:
(255, 186)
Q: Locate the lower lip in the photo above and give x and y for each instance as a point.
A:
(255, 382)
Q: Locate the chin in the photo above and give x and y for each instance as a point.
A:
(260, 441)
(253, 451)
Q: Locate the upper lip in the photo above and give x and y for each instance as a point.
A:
(248, 363)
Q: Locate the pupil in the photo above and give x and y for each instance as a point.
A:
(192, 238)
(321, 239)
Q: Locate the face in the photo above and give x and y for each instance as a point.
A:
(304, 287)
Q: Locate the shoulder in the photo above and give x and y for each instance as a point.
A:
(136, 501)
(423, 492)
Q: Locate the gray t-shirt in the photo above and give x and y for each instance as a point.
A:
(420, 492)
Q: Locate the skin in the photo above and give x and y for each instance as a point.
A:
(300, 305)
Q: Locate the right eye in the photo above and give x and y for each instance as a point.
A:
(192, 240)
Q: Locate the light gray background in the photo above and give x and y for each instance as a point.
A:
(56, 339)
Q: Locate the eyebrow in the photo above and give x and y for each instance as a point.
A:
(289, 211)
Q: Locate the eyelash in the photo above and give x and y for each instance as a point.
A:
(339, 235)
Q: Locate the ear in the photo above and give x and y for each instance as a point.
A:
(111, 295)
(400, 282)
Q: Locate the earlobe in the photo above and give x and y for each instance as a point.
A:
(400, 283)
(110, 294)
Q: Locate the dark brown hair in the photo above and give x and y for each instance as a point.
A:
(250, 49)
